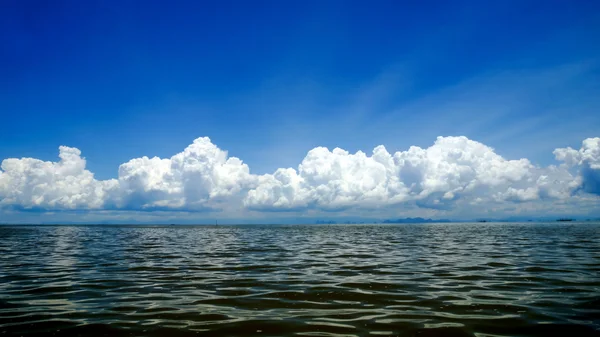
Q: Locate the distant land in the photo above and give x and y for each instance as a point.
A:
(416, 220)
(387, 221)
(427, 220)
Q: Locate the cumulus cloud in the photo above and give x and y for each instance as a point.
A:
(194, 179)
(453, 171)
(34, 184)
(434, 177)
(330, 180)
(587, 159)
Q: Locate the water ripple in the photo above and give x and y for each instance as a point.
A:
(363, 280)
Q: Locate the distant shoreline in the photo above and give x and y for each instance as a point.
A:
(533, 221)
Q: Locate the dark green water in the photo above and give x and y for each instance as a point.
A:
(357, 280)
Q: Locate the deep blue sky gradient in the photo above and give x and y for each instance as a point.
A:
(269, 80)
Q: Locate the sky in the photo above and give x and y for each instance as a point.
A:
(290, 111)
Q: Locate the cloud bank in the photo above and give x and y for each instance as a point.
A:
(453, 172)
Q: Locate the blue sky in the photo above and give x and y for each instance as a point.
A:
(270, 80)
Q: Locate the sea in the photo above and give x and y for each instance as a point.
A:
(446, 279)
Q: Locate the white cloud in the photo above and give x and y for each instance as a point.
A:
(433, 177)
(454, 172)
(196, 178)
(329, 180)
(587, 159)
(33, 184)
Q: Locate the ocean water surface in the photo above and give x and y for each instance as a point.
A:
(484, 279)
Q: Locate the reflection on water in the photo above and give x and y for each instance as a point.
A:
(423, 279)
